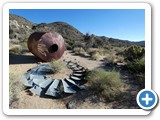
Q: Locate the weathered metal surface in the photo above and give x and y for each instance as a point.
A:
(54, 90)
(42, 86)
(46, 83)
(67, 87)
(46, 45)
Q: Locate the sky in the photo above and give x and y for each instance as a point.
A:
(126, 24)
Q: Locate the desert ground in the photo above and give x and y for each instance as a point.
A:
(84, 99)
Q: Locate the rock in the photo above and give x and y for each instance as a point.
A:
(71, 104)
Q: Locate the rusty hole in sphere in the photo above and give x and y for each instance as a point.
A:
(53, 48)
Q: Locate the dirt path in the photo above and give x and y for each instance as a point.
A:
(19, 64)
(83, 61)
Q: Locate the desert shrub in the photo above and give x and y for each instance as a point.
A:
(92, 51)
(16, 50)
(15, 87)
(24, 46)
(135, 58)
(79, 51)
(136, 66)
(87, 36)
(99, 42)
(79, 44)
(103, 83)
(110, 59)
(57, 65)
(140, 80)
(70, 44)
(134, 52)
(95, 56)
(120, 59)
(14, 41)
(100, 51)
(104, 52)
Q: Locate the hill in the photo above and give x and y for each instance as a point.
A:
(21, 21)
(20, 29)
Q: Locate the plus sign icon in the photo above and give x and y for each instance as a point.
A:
(147, 99)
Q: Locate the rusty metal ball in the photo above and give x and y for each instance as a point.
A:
(46, 45)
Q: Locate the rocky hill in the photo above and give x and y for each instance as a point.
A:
(21, 21)
(65, 29)
(20, 29)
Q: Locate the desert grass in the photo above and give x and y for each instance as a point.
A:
(79, 51)
(58, 66)
(17, 47)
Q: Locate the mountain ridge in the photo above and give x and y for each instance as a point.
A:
(21, 26)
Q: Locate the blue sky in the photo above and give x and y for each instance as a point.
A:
(126, 24)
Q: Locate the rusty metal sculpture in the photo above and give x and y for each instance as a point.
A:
(46, 45)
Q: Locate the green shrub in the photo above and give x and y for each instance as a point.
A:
(134, 52)
(136, 66)
(105, 84)
(141, 80)
(120, 59)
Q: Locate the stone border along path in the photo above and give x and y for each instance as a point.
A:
(36, 81)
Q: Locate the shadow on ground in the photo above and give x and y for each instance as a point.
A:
(22, 59)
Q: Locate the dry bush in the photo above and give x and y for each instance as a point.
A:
(110, 59)
(57, 65)
(103, 83)
(18, 49)
(15, 87)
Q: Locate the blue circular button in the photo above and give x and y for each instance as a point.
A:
(147, 99)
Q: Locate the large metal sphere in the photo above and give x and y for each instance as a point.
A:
(46, 45)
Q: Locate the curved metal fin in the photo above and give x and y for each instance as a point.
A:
(67, 88)
(74, 83)
(75, 78)
(37, 79)
(78, 75)
(45, 83)
(53, 90)
(79, 71)
(36, 90)
(77, 68)
(26, 80)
